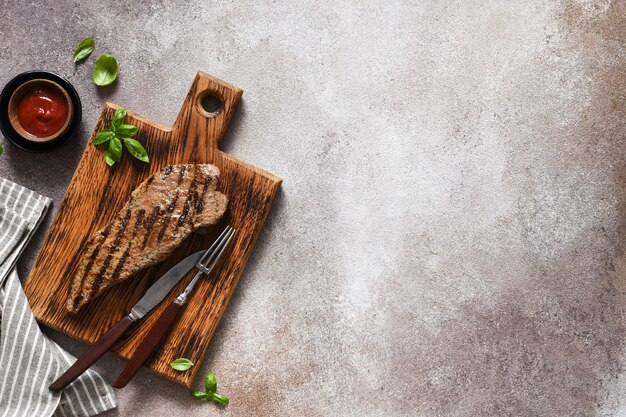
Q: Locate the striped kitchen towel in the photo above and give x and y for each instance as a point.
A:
(30, 361)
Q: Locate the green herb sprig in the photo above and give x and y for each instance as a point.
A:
(181, 364)
(210, 383)
(105, 70)
(119, 133)
(84, 49)
(209, 393)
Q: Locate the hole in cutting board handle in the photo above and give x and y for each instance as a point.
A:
(210, 103)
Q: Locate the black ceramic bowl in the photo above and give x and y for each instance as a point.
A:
(5, 124)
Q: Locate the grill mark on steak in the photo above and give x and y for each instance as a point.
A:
(114, 247)
(77, 300)
(120, 264)
(92, 258)
(172, 205)
(181, 174)
(168, 215)
(200, 201)
(167, 171)
(149, 223)
(189, 200)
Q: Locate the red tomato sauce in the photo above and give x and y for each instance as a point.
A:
(42, 112)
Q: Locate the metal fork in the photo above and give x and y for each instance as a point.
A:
(160, 329)
(211, 255)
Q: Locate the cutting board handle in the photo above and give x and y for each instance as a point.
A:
(209, 121)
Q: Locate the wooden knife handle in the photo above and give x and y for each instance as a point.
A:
(149, 344)
(92, 354)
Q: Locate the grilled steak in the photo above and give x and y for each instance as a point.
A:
(160, 214)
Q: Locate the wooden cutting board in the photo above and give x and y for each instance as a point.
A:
(97, 192)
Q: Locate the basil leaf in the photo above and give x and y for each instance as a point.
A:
(103, 136)
(181, 364)
(210, 382)
(105, 70)
(118, 118)
(199, 395)
(115, 149)
(137, 150)
(84, 49)
(219, 398)
(107, 158)
(126, 131)
(1, 148)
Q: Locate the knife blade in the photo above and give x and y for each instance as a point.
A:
(155, 294)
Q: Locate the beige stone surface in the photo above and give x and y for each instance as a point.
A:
(449, 238)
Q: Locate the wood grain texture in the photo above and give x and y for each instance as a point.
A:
(95, 195)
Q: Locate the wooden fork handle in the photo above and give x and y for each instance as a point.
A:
(92, 354)
(149, 344)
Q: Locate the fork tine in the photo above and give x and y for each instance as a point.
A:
(213, 247)
(220, 250)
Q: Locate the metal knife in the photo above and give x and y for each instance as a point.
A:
(162, 326)
(155, 294)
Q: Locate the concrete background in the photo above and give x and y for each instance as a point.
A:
(449, 237)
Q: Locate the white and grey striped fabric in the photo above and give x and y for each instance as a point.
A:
(29, 361)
